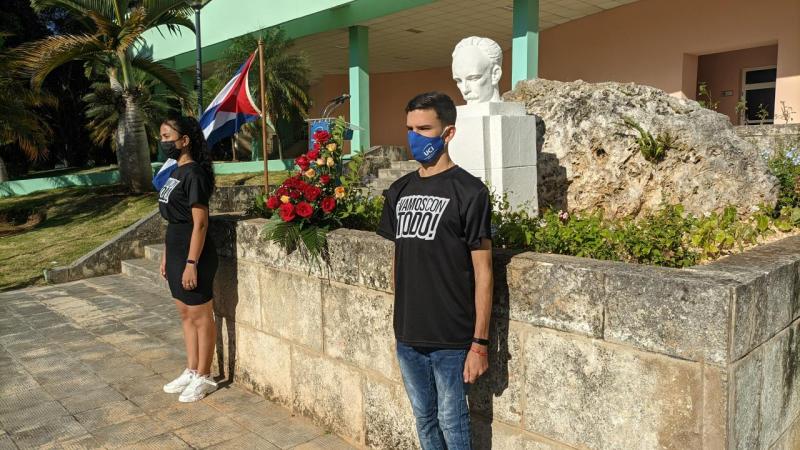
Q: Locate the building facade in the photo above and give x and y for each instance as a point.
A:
(383, 52)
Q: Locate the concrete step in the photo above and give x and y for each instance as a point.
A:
(154, 252)
(408, 166)
(392, 174)
(148, 271)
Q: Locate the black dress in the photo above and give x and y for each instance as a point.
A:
(188, 185)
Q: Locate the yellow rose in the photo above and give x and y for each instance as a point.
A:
(310, 173)
(331, 162)
(339, 192)
(331, 147)
(320, 161)
(285, 199)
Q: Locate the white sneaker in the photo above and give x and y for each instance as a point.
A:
(177, 385)
(198, 388)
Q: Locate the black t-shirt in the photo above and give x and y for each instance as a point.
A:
(188, 185)
(435, 222)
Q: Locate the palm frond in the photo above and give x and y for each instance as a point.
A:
(22, 124)
(132, 29)
(315, 242)
(104, 107)
(105, 104)
(104, 25)
(172, 22)
(169, 13)
(161, 72)
(76, 8)
(37, 59)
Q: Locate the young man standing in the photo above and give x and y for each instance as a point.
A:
(439, 218)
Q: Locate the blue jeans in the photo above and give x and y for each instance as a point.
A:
(434, 381)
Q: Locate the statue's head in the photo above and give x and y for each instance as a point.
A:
(477, 67)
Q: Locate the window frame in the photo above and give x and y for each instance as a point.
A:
(754, 86)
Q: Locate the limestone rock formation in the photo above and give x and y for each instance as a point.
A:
(590, 159)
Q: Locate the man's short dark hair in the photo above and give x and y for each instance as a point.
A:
(441, 103)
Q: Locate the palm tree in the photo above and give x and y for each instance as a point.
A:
(285, 73)
(21, 123)
(113, 40)
(105, 106)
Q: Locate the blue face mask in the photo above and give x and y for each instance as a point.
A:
(425, 149)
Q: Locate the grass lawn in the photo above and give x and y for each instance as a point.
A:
(78, 220)
(251, 179)
(66, 171)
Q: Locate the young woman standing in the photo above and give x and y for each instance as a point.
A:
(190, 260)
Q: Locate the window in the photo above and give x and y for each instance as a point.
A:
(758, 90)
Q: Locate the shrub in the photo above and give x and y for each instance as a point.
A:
(668, 237)
(653, 149)
(785, 165)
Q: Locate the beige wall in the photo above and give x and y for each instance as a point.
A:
(653, 42)
(649, 41)
(389, 94)
(723, 71)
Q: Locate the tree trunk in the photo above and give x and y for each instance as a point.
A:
(133, 153)
(3, 170)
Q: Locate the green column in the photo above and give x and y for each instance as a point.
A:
(359, 86)
(525, 45)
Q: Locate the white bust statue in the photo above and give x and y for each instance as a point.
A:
(477, 67)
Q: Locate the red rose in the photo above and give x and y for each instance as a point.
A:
(302, 162)
(304, 210)
(283, 190)
(328, 204)
(325, 179)
(312, 193)
(273, 202)
(313, 155)
(317, 146)
(321, 136)
(286, 211)
(295, 194)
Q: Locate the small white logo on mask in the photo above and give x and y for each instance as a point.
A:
(418, 216)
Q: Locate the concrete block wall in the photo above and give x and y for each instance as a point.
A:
(585, 353)
(771, 138)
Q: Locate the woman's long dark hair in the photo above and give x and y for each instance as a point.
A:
(198, 148)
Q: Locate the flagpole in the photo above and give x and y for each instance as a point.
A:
(263, 114)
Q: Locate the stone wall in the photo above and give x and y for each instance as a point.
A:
(234, 198)
(129, 243)
(585, 353)
(107, 258)
(769, 138)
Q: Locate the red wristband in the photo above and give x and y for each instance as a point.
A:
(479, 352)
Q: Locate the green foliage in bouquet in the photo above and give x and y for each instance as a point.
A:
(306, 206)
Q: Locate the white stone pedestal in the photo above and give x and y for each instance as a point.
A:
(496, 141)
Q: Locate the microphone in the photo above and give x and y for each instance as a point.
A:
(340, 99)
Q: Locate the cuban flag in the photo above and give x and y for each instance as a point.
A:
(163, 174)
(231, 108)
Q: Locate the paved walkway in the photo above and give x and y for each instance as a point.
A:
(82, 365)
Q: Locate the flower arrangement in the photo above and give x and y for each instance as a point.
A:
(306, 205)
